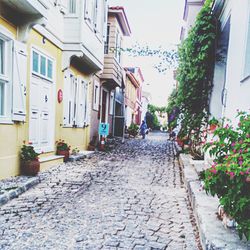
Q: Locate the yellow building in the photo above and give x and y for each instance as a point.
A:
(46, 84)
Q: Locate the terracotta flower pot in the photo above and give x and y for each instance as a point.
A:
(212, 127)
(65, 153)
(30, 168)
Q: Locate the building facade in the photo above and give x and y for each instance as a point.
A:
(232, 69)
(111, 97)
(191, 10)
(47, 66)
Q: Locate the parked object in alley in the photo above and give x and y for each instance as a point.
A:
(133, 130)
(62, 148)
(143, 129)
(30, 164)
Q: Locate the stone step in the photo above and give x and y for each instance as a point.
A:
(49, 161)
(81, 155)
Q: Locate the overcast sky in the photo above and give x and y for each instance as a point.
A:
(154, 23)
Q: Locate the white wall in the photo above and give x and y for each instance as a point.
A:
(238, 92)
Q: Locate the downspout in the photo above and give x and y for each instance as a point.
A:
(113, 116)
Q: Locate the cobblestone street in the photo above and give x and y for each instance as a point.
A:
(131, 198)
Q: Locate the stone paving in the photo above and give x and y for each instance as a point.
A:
(131, 198)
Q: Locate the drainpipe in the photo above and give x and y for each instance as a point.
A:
(113, 116)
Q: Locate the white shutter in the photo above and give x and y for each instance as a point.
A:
(87, 106)
(96, 95)
(105, 21)
(19, 81)
(74, 101)
(87, 9)
(80, 115)
(67, 99)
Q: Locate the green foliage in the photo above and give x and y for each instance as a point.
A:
(229, 176)
(153, 109)
(213, 121)
(28, 153)
(61, 145)
(195, 72)
(172, 103)
(133, 129)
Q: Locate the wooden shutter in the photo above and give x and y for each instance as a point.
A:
(19, 81)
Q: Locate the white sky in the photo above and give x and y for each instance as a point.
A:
(154, 23)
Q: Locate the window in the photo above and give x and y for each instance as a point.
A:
(246, 70)
(72, 7)
(118, 47)
(111, 108)
(76, 102)
(49, 69)
(42, 65)
(2, 98)
(1, 56)
(5, 76)
(96, 95)
(35, 62)
(106, 45)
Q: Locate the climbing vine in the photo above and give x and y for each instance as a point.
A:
(195, 72)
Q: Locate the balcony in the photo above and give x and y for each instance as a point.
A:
(112, 72)
(25, 14)
(28, 7)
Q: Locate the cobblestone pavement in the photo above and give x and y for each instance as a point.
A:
(131, 198)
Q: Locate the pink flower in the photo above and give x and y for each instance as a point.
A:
(240, 163)
(241, 173)
(231, 175)
(248, 135)
(234, 150)
(226, 156)
(239, 124)
(241, 141)
(227, 126)
(214, 171)
(233, 144)
(240, 151)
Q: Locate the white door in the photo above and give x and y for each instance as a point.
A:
(41, 130)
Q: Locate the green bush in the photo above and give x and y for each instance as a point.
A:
(133, 129)
(229, 176)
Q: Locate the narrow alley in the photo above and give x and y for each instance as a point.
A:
(130, 198)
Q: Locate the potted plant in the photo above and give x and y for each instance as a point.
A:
(62, 148)
(30, 164)
(213, 123)
(133, 129)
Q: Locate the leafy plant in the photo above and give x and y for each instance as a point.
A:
(229, 176)
(195, 74)
(213, 121)
(133, 129)
(75, 151)
(61, 145)
(28, 153)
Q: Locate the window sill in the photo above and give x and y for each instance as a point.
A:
(6, 122)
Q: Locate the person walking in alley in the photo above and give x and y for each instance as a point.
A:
(143, 129)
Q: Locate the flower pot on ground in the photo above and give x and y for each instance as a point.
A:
(30, 168)
(62, 148)
(213, 124)
(30, 164)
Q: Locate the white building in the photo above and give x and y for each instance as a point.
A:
(232, 70)
(146, 98)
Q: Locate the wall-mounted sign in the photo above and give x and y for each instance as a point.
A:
(104, 129)
(59, 95)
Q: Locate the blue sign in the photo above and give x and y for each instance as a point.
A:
(104, 129)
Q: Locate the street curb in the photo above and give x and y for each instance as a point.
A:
(213, 235)
(9, 195)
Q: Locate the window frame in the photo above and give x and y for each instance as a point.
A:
(96, 95)
(47, 59)
(6, 76)
(111, 102)
(246, 75)
(106, 43)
